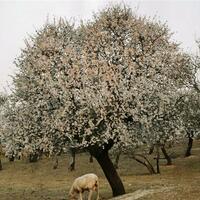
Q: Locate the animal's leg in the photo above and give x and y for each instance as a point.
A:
(97, 190)
(81, 196)
(90, 195)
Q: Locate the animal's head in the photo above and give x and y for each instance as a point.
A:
(72, 195)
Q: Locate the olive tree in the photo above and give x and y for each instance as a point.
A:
(102, 83)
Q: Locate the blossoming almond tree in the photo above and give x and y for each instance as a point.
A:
(190, 115)
(96, 85)
(3, 99)
(190, 105)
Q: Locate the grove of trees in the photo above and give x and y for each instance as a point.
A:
(118, 79)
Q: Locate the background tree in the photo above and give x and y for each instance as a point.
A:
(190, 104)
(190, 115)
(196, 66)
(162, 128)
(96, 85)
(3, 99)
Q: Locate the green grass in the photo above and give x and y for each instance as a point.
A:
(21, 180)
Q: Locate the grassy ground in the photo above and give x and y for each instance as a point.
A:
(21, 180)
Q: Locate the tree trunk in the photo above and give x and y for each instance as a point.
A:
(73, 159)
(116, 161)
(151, 149)
(167, 157)
(157, 159)
(55, 165)
(0, 157)
(91, 159)
(1, 165)
(109, 170)
(189, 146)
(11, 158)
(33, 157)
(144, 162)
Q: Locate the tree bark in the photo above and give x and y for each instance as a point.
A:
(189, 146)
(144, 162)
(11, 158)
(157, 159)
(55, 165)
(91, 159)
(116, 161)
(151, 149)
(0, 157)
(33, 157)
(109, 170)
(73, 159)
(167, 157)
(1, 165)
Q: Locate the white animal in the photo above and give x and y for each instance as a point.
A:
(87, 182)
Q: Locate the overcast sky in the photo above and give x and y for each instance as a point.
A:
(20, 18)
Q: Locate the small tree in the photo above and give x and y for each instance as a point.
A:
(190, 105)
(155, 130)
(190, 115)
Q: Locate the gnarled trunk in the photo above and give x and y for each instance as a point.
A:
(1, 165)
(157, 159)
(167, 157)
(144, 161)
(189, 146)
(102, 157)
